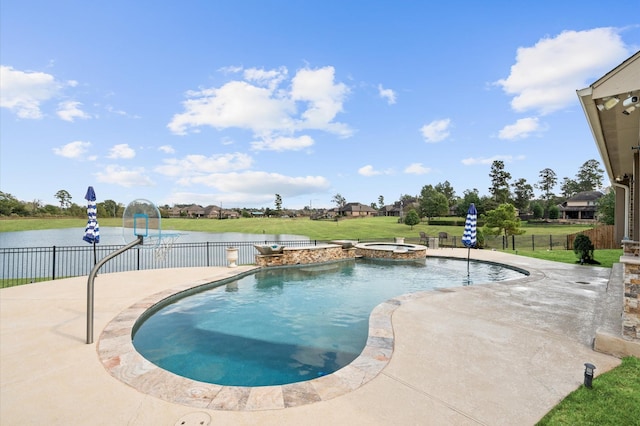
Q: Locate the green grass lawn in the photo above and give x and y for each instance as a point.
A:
(606, 257)
(614, 399)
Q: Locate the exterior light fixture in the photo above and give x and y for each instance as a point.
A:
(610, 103)
(588, 374)
(629, 110)
(631, 100)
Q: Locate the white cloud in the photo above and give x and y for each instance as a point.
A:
(436, 131)
(235, 104)
(521, 129)
(387, 94)
(417, 169)
(76, 150)
(70, 110)
(122, 150)
(122, 176)
(368, 170)
(23, 92)
(324, 98)
(283, 144)
(167, 149)
(196, 165)
(258, 104)
(545, 76)
(490, 160)
(270, 78)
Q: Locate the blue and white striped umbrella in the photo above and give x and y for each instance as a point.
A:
(470, 225)
(92, 231)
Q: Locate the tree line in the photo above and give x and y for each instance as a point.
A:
(433, 201)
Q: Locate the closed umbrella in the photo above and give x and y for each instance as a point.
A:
(92, 231)
(470, 231)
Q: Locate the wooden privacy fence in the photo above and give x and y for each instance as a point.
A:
(602, 238)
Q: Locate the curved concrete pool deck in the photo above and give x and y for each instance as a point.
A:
(501, 353)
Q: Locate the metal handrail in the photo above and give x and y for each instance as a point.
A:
(92, 277)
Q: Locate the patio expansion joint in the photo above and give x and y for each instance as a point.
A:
(434, 398)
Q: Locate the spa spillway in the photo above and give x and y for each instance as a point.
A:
(394, 251)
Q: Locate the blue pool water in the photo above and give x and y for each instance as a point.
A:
(287, 325)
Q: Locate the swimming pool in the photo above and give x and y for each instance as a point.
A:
(287, 325)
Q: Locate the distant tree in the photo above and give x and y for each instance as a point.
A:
(432, 202)
(278, 203)
(412, 218)
(554, 212)
(111, 207)
(51, 210)
(538, 210)
(589, 176)
(486, 204)
(547, 182)
(468, 197)
(374, 206)
(339, 200)
(499, 182)
(569, 187)
(8, 204)
(502, 220)
(381, 201)
(523, 193)
(64, 198)
(606, 208)
(446, 189)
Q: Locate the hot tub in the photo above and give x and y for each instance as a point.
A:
(395, 251)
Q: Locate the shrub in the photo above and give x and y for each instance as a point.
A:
(583, 248)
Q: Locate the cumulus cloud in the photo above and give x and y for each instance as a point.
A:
(283, 144)
(75, 150)
(192, 166)
(545, 76)
(70, 110)
(23, 92)
(259, 103)
(436, 131)
(521, 129)
(387, 94)
(167, 149)
(368, 170)
(483, 161)
(417, 169)
(122, 176)
(123, 151)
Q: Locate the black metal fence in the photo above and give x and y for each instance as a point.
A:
(31, 264)
(514, 242)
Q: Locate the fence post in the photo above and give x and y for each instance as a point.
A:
(208, 254)
(550, 242)
(513, 242)
(138, 259)
(53, 266)
(533, 243)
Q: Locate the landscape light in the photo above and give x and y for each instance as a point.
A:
(588, 374)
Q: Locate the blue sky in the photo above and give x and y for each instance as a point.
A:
(230, 103)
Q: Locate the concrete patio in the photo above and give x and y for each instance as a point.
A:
(493, 354)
